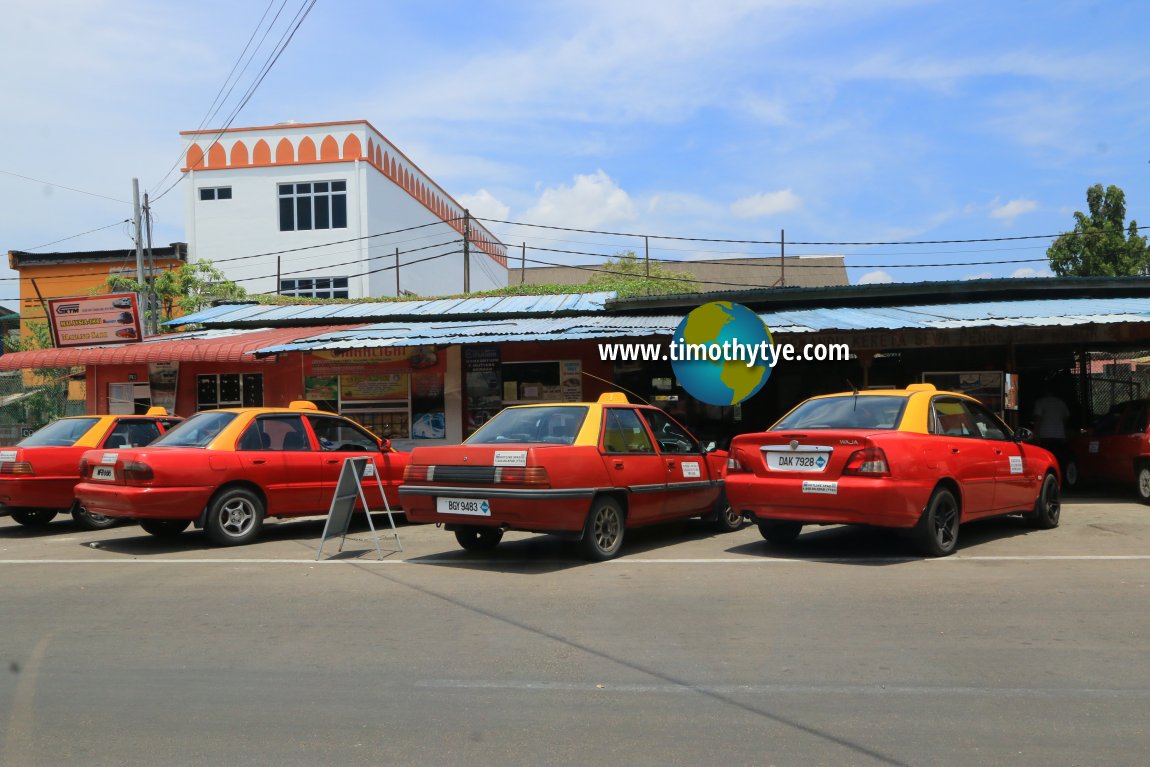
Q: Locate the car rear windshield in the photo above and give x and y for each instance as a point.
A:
(848, 411)
(62, 433)
(197, 431)
(557, 425)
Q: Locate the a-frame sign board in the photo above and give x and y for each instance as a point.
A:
(347, 490)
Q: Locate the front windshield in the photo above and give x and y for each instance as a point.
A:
(847, 411)
(197, 431)
(62, 433)
(558, 425)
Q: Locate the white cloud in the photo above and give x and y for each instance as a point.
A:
(875, 278)
(979, 276)
(1012, 209)
(483, 204)
(1027, 271)
(766, 204)
(593, 201)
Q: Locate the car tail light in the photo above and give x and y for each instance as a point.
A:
(526, 475)
(16, 467)
(870, 462)
(83, 468)
(418, 473)
(137, 471)
(735, 464)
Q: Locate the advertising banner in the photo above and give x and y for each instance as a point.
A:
(162, 378)
(94, 320)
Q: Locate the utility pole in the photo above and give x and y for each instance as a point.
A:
(397, 272)
(152, 301)
(782, 258)
(647, 261)
(139, 234)
(523, 264)
(466, 251)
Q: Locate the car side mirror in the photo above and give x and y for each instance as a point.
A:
(384, 445)
(1023, 434)
(709, 447)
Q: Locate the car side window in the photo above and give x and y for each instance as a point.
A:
(1133, 419)
(623, 432)
(281, 433)
(951, 418)
(336, 434)
(985, 424)
(670, 437)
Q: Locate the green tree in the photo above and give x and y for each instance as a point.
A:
(628, 275)
(185, 290)
(1101, 244)
(46, 389)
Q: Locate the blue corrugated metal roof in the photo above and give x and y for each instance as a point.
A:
(1030, 313)
(266, 315)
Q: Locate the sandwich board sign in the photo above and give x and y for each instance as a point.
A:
(347, 491)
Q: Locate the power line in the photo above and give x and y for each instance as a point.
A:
(61, 186)
(74, 236)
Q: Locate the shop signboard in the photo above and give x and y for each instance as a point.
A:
(95, 320)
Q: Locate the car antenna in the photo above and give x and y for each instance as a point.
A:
(617, 386)
(854, 389)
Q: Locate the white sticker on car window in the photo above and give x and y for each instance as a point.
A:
(7, 456)
(108, 458)
(1015, 464)
(691, 469)
(510, 458)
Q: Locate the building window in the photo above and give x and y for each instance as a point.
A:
(315, 287)
(229, 390)
(313, 205)
(215, 193)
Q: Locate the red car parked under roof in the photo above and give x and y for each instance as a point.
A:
(917, 459)
(227, 470)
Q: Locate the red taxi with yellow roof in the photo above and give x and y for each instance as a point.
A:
(587, 471)
(38, 475)
(227, 470)
(918, 459)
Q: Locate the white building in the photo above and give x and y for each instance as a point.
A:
(320, 210)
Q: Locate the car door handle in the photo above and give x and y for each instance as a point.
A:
(259, 461)
(333, 460)
(954, 450)
(618, 464)
(670, 464)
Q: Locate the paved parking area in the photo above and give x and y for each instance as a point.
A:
(1027, 647)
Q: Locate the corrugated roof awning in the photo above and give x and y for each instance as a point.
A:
(199, 346)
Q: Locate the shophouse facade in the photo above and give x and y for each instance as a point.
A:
(330, 210)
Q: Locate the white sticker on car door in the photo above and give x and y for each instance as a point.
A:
(1015, 464)
(691, 469)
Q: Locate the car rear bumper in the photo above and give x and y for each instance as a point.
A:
(854, 500)
(143, 502)
(36, 493)
(532, 510)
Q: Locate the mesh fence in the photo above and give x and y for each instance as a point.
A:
(1115, 378)
(31, 399)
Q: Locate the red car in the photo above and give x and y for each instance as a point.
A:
(38, 476)
(588, 471)
(917, 459)
(1115, 450)
(227, 470)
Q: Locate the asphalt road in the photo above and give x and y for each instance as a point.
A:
(1025, 648)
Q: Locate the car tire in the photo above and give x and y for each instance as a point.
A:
(1071, 475)
(780, 533)
(235, 517)
(478, 538)
(90, 521)
(1047, 506)
(937, 531)
(603, 531)
(725, 519)
(165, 528)
(1143, 485)
(33, 517)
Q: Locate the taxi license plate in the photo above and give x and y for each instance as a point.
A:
(474, 507)
(103, 472)
(797, 461)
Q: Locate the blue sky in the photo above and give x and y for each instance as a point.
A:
(833, 120)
